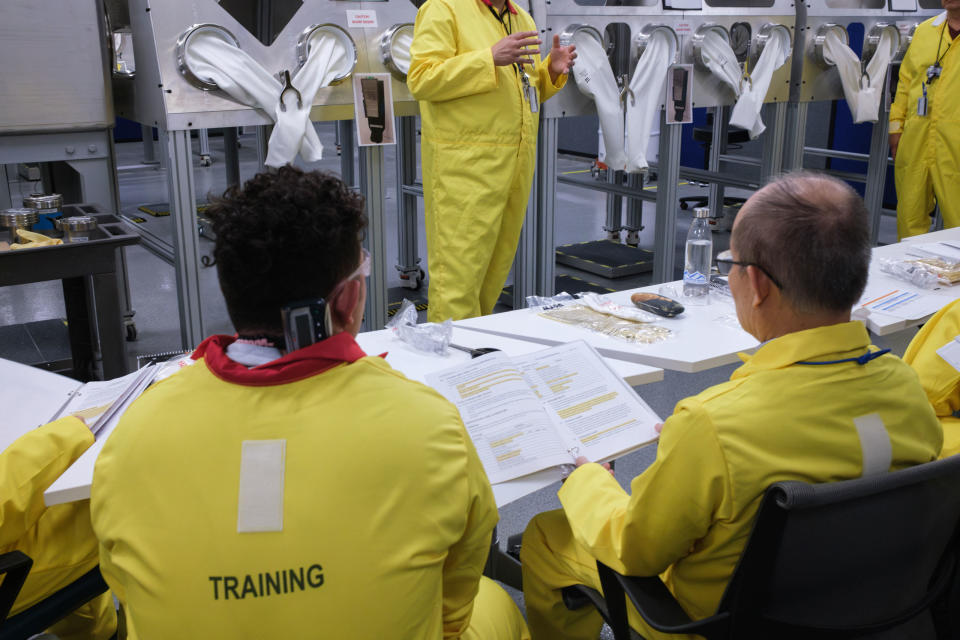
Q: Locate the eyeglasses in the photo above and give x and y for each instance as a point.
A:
(725, 263)
(362, 270)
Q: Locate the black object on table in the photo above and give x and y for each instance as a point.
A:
(88, 271)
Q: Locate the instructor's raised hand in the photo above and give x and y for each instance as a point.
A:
(516, 48)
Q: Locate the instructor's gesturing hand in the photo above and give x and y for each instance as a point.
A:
(516, 48)
(561, 58)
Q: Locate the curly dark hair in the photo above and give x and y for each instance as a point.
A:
(286, 235)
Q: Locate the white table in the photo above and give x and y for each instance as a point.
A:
(884, 324)
(704, 337)
(74, 484)
(30, 396)
(416, 364)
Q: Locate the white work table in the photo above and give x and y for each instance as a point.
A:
(47, 392)
(704, 336)
(880, 283)
(415, 364)
(30, 397)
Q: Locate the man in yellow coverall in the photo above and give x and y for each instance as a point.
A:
(58, 539)
(925, 125)
(313, 493)
(938, 374)
(816, 402)
(476, 70)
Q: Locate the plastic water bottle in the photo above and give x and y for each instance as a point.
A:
(698, 256)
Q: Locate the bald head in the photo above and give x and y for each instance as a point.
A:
(810, 232)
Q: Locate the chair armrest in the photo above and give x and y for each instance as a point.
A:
(657, 606)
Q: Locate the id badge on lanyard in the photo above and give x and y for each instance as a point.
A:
(923, 106)
(530, 92)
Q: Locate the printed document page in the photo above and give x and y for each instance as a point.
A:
(513, 434)
(92, 399)
(597, 413)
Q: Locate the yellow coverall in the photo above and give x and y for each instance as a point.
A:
(59, 539)
(478, 150)
(927, 166)
(386, 510)
(939, 378)
(690, 513)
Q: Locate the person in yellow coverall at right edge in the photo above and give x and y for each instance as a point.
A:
(925, 125)
(816, 403)
(476, 70)
(931, 356)
(59, 539)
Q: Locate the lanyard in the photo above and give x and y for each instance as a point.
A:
(940, 44)
(507, 26)
(864, 359)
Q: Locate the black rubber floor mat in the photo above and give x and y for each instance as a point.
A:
(606, 258)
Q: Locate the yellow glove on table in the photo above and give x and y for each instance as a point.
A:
(34, 240)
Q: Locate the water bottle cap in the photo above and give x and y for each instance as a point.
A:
(701, 212)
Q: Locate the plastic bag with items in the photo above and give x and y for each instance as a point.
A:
(431, 337)
(591, 311)
(916, 272)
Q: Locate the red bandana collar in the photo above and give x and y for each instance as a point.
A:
(510, 6)
(292, 367)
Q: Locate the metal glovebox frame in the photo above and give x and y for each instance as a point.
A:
(54, 72)
(814, 80)
(558, 16)
(159, 95)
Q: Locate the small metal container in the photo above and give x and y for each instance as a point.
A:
(76, 228)
(13, 219)
(47, 207)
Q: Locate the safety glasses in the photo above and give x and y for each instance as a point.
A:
(362, 270)
(725, 263)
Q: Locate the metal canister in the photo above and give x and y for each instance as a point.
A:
(47, 207)
(13, 219)
(76, 228)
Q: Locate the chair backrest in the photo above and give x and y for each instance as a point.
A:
(54, 607)
(14, 567)
(851, 558)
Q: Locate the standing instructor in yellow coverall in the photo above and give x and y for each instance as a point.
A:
(925, 125)
(477, 72)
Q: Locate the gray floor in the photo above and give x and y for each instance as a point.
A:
(581, 215)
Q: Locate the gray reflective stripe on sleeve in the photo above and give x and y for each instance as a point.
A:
(260, 503)
(874, 444)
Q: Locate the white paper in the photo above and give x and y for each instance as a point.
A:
(94, 398)
(950, 352)
(544, 409)
(512, 433)
(75, 482)
(942, 250)
(905, 303)
(597, 414)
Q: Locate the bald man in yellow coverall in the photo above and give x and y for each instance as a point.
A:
(925, 125)
(470, 64)
(793, 411)
(58, 539)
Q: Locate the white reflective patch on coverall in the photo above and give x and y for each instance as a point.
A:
(260, 501)
(874, 444)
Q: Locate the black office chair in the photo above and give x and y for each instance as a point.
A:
(862, 558)
(704, 135)
(47, 612)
